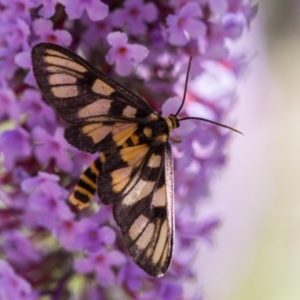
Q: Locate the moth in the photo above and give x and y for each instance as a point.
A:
(134, 170)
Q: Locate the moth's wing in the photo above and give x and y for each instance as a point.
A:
(100, 135)
(91, 102)
(142, 195)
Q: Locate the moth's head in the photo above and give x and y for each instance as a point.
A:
(172, 122)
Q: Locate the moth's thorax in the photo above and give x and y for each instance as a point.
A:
(172, 122)
(157, 128)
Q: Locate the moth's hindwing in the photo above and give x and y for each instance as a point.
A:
(141, 190)
(134, 171)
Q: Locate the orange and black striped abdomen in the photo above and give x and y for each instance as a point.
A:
(86, 187)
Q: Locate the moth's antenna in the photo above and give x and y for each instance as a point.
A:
(195, 118)
(210, 121)
(185, 85)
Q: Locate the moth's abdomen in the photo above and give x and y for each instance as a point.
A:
(86, 187)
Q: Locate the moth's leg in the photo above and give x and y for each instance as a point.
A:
(175, 140)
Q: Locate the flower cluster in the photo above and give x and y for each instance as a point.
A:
(48, 248)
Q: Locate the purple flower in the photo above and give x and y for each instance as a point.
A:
(14, 242)
(23, 60)
(15, 145)
(125, 56)
(37, 111)
(49, 147)
(189, 230)
(39, 181)
(47, 9)
(95, 9)
(218, 7)
(132, 277)
(96, 31)
(233, 25)
(103, 216)
(102, 263)
(7, 63)
(185, 25)
(81, 160)
(16, 35)
(93, 292)
(217, 82)
(171, 106)
(44, 29)
(135, 14)
(47, 207)
(172, 290)
(46, 202)
(164, 290)
(13, 286)
(13, 9)
(92, 237)
(66, 230)
(8, 104)
(249, 11)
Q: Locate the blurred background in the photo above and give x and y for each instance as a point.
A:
(256, 251)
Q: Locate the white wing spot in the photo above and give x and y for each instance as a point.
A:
(99, 107)
(159, 247)
(147, 132)
(102, 88)
(96, 131)
(129, 112)
(59, 79)
(56, 53)
(154, 161)
(122, 133)
(159, 197)
(62, 62)
(146, 236)
(164, 256)
(65, 91)
(140, 190)
(133, 155)
(120, 178)
(138, 226)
